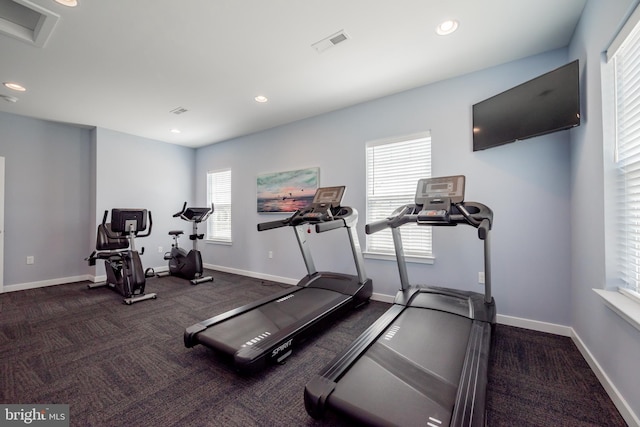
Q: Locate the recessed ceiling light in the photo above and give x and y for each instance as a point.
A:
(447, 27)
(70, 3)
(261, 98)
(175, 131)
(15, 86)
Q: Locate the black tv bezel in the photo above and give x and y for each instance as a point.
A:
(568, 124)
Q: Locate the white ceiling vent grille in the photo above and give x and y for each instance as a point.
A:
(178, 110)
(26, 21)
(330, 41)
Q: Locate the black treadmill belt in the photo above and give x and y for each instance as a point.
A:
(255, 325)
(425, 382)
(409, 374)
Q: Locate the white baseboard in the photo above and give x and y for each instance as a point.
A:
(621, 404)
(289, 281)
(44, 283)
(534, 325)
(255, 275)
(382, 298)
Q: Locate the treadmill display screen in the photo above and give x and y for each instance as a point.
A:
(329, 196)
(447, 186)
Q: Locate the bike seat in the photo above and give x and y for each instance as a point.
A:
(176, 232)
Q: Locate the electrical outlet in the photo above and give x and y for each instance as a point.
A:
(160, 250)
(31, 260)
(481, 277)
(270, 254)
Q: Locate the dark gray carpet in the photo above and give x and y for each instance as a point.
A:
(119, 365)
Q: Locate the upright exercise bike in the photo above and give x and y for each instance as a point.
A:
(188, 265)
(115, 244)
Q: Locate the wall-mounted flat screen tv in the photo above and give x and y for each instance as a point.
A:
(548, 103)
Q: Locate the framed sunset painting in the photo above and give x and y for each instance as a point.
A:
(288, 191)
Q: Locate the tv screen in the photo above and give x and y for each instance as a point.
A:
(546, 104)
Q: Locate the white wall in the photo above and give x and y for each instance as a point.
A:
(613, 342)
(526, 184)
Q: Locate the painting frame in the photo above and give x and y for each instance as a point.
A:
(286, 191)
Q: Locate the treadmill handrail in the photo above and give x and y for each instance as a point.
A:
(270, 225)
(397, 218)
(480, 217)
(330, 225)
(409, 213)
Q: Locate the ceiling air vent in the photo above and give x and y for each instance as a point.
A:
(26, 21)
(178, 110)
(330, 41)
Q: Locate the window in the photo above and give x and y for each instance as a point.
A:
(624, 56)
(219, 193)
(393, 170)
(621, 126)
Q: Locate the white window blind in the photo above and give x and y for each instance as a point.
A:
(626, 57)
(219, 193)
(393, 170)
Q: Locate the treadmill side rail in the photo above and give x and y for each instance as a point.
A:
(190, 334)
(279, 346)
(316, 393)
(318, 390)
(469, 409)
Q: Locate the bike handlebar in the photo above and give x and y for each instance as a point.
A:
(184, 208)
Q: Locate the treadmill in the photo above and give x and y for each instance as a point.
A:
(266, 331)
(425, 361)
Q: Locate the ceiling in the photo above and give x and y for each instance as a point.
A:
(126, 65)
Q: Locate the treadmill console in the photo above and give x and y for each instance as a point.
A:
(324, 200)
(435, 196)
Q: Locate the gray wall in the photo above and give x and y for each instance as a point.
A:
(47, 188)
(531, 263)
(134, 172)
(60, 178)
(614, 343)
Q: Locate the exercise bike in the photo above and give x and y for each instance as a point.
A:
(187, 265)
(115, 244)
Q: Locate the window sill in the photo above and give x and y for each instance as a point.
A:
(410, 259)
(625, 306)
(218, 242)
